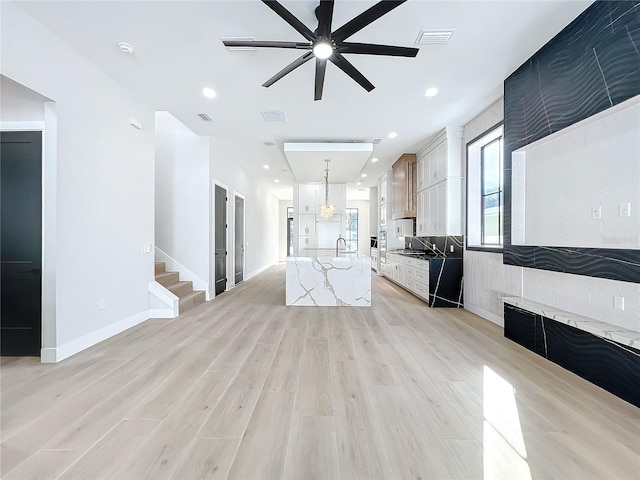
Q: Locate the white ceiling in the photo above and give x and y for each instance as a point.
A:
(346, 160)
(178, 52)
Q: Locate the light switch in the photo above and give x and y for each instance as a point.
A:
(624, 210)
(596, 213)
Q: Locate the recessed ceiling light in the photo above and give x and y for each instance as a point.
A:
(277, 181)
(431, 92)
(374, 159)
(208, 92)
(364, 175)
(322, 50)
(125, 47)
(269, 144)
(265, 166)
(393, 135)
(358, 183)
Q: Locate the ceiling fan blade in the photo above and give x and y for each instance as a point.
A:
(324, 14)
(260, 44)
(352, 71)
(288, 17)
(365, 18)
(372, 49)
(288, 69)
(321, 68)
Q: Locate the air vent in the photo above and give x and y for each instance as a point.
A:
(376, 141)
(274, 116)
(205, 118)
(239, 39)
(434, 36)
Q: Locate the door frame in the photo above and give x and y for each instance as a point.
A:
(211, 292)
(48, 127)
(233, 236)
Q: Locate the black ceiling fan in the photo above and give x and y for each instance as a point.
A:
(325, 44)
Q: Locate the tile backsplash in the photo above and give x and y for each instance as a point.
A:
(442, 245)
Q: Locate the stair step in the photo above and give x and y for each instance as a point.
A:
(161, 267)
(192, 300)
(181, 289)
(167, 278)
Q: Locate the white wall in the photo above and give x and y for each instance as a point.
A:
(261, 211)
(486, 279)
(20, 104)
(105, 181)
(364, 234)
(182, 195)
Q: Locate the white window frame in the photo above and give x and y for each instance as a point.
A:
(475, 191)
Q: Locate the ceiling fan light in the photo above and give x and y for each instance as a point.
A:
(323, 50)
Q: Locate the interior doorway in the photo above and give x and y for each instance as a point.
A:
(220, 229)
(238, 248)
(21, 243)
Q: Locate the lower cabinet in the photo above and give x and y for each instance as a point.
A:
(438, 281)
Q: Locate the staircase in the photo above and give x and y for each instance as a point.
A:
(189, 298)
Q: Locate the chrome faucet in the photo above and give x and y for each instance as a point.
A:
(338, 243)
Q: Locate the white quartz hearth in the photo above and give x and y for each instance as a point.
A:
(328, 281)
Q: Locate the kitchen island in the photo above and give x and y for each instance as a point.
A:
(328, 281)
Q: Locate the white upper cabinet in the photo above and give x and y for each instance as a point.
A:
(307, 203)
(383, 190)
(439, 185)
(440, 159)
(443, 208)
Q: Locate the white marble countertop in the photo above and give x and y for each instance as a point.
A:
(328, 281)
(598, 328)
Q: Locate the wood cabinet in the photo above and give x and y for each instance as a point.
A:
(404, 187)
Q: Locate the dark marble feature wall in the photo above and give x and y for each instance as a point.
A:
(442, 244)
(611, 366)
(445, 282)
(592, 65)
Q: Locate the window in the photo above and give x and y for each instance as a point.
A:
(351, 233)
(289, 231)
(485, 198)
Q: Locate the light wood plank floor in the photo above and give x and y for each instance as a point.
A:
(244, 387)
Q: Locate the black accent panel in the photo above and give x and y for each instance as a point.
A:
(611, 366)
(445, 282)
(592, 65)
(601, 362)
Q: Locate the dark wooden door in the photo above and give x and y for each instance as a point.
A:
(239, 239)
(220, 226)
(21, 240)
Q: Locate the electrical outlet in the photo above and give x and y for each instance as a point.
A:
(451, 248)
(102, 304)
(624, 210)
(618, 302)
(596, 213)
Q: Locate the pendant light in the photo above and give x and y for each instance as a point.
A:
(326, 210)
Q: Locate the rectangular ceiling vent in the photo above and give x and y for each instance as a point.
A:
(430, 36)
(239, 39)
(274, 116)
(205, 118)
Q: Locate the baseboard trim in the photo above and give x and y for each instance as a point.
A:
(54, 355)
(492, 317)
(259, 270)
